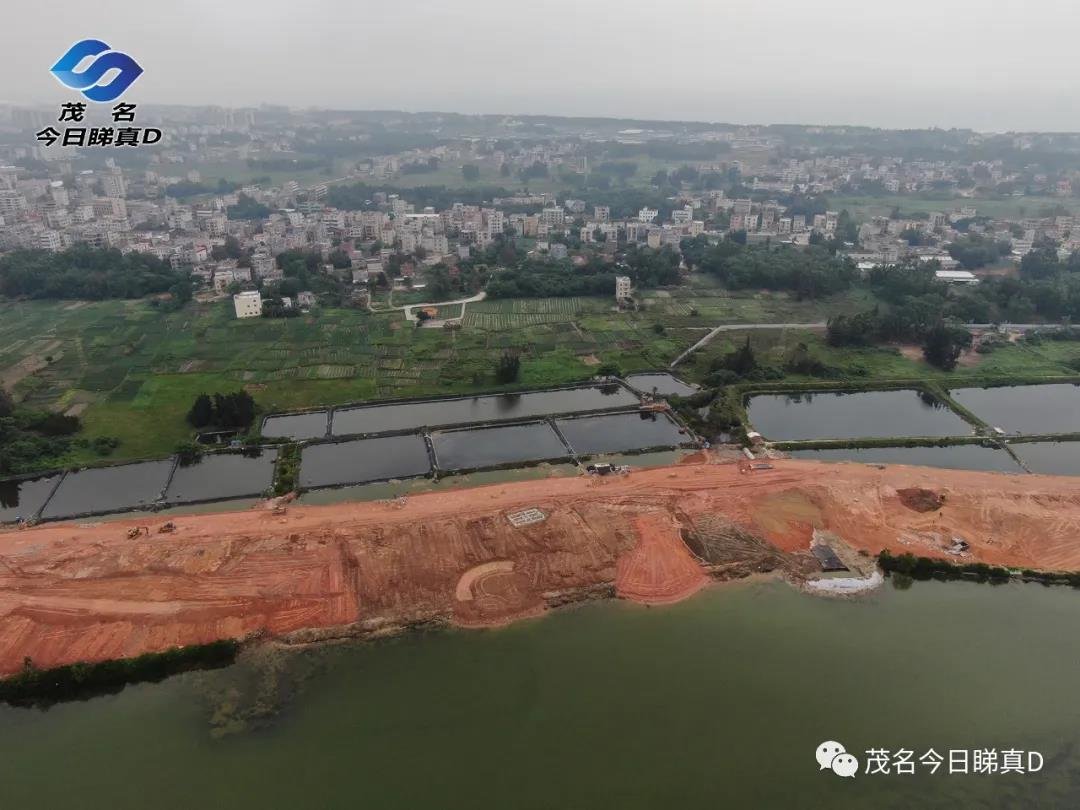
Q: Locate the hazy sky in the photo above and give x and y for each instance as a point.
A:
(1001, 65)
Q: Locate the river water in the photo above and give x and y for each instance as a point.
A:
(716, 702)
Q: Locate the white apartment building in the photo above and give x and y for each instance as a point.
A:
(248, 304)
(623, 288)
(683, 216)
(48, 240)
(553, 217)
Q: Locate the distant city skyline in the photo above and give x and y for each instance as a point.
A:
(836, 62)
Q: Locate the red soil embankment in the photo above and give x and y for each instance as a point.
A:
(72, 592)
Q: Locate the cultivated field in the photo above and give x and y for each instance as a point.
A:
(132, 371)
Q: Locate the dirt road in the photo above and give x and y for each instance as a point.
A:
(73, 592)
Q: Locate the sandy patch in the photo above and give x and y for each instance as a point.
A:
(911, 352)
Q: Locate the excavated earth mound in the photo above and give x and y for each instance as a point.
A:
(71, 592)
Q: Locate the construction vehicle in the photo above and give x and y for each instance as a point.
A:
(167, 528)
(135, 531)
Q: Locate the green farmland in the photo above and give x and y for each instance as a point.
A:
(131, 371)
(884, 364)
(865, 207)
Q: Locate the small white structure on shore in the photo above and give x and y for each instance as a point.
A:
(248, 304)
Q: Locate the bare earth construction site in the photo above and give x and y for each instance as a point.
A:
(486, 556)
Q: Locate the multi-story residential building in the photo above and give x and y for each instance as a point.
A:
(248, 304)
(553, 217)
(113, 185)
(49, 240)
(12, 204)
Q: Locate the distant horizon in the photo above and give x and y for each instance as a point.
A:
(293, 108)
(944, 64)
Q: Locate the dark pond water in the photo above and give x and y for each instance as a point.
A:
(620, 432)
(852, 416)
(296, 426)
(1050, 458)
(20, 500)
(717, 702)
(489, 447)
(960, 457)
(444, 413)
(222, 475)
(665, 384)
(363, 460)
(1025, 408)
(109, 489)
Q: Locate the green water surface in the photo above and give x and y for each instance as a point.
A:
(716, 702)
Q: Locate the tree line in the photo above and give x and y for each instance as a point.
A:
(88, 273)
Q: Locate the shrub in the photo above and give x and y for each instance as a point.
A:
(79, 681)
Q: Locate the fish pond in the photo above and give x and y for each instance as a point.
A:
(1050, 458)
(1033, 409)
(620, 432)
(463, 411)
(221, 476)
(864, 414)
(364, 460)
(298, 426)
(477, 448)
(21, 500)
(99, 490)
(666, 385)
